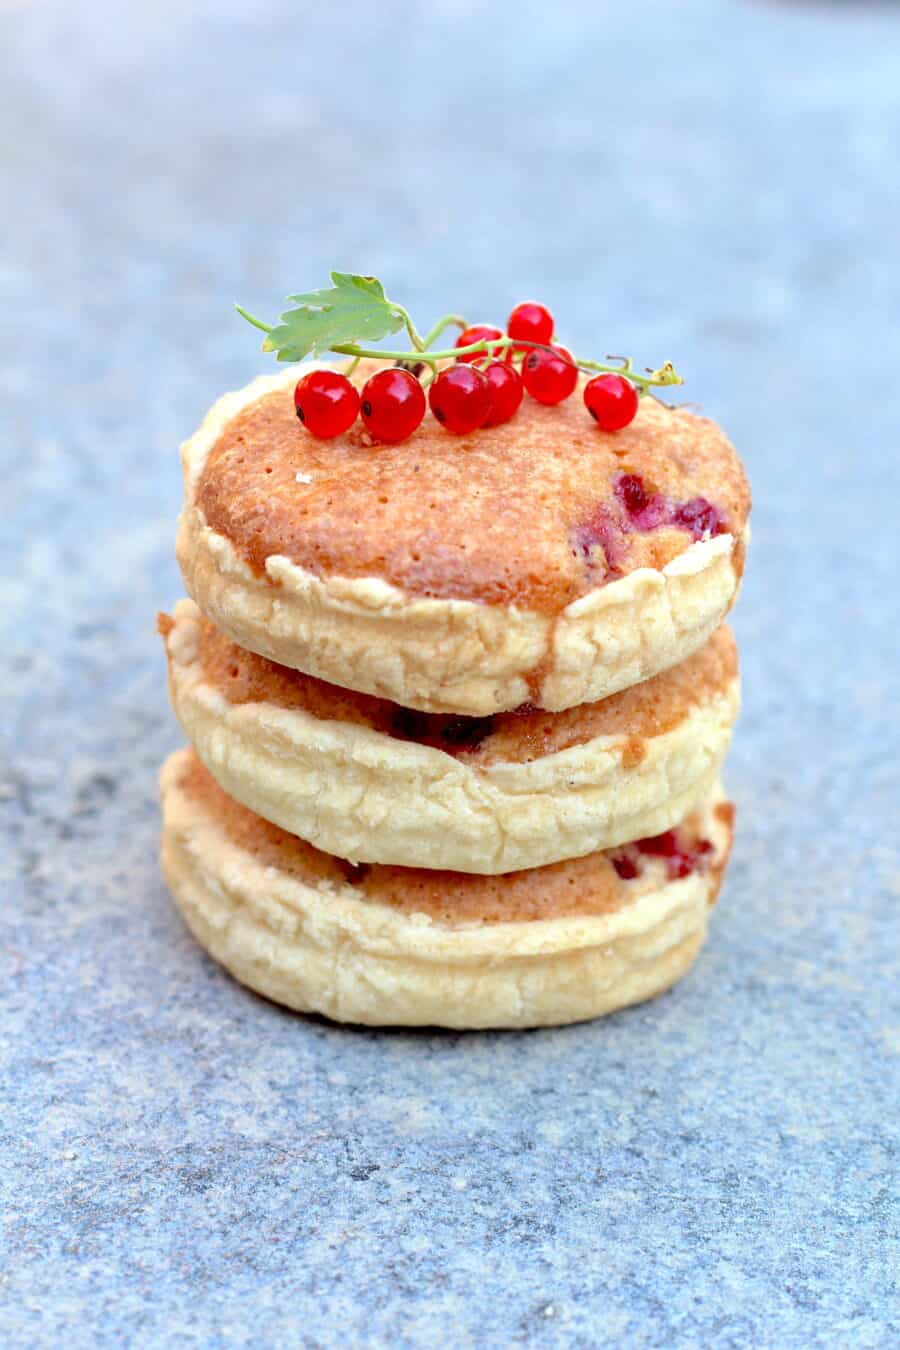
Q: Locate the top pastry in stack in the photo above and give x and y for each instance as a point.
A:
(457, 703)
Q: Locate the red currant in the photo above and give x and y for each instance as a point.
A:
(611, 400)
(665, 845)
(393, 405)
(631, 491)
(700, 517)
(531, 323)
(506, 392)
(326, 403)
(460, 399)
(479, 332)
(549, 376)
(626, 866)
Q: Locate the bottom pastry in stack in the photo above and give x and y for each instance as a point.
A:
(388, 945)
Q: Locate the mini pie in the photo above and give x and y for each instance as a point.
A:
(539, 562)
(395, 946)
(363, 778)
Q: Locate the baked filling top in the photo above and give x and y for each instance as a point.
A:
(536, 512)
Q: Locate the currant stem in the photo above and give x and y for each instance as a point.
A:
(445, 322)
(257, 323)
(421, 354)
(490, 346)
(666, 375)
(414, 335)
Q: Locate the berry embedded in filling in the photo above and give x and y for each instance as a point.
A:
(651, 510)
(602, 528)
(467, 731)
(681, 855)
(632, 493)
(635, 509)
(442, 730)
(700, 517)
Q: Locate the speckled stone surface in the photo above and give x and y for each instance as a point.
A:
(186, 1165)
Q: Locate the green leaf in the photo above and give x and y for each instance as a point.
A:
(354, 309)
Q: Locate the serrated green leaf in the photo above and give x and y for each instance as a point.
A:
(370, 284)
(354, 309)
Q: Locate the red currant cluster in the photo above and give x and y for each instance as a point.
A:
(482, 388)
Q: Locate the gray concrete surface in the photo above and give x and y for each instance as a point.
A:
(186, 1165)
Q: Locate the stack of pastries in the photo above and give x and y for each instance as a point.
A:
(457, 709)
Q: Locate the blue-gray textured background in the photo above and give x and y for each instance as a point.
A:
(184, 1164)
